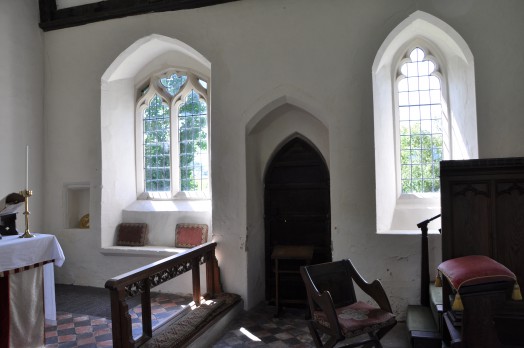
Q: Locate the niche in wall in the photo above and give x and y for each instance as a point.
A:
(77, 201)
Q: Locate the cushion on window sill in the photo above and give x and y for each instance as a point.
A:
(190, 235)
(131, 234)
(358, 318)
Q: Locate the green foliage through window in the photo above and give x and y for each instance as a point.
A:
(192, 132)
(420, 123)
(173, 83)
(157, 146)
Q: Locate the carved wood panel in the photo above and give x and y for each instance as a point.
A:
(483, 210)
(509, 227)
(470, 215)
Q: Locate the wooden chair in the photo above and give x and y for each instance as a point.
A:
(335, 311)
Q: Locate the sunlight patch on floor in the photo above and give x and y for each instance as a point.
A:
(249, 335)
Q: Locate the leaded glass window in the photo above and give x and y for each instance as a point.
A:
(173, 83)
(157, 146)
(192, 130)
(174, 131)
(420, 123)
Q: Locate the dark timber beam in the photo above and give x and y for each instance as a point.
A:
(51, 18)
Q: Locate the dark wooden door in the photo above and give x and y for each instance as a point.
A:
(297, 212)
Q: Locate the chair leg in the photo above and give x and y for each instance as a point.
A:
(330, 343)
(314, 334)
(382, 332)
(375, 342)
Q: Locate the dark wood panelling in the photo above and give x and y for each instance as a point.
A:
(483, 210)
(483, 214)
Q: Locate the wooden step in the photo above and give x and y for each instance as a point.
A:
(436, 304)
(423, 331)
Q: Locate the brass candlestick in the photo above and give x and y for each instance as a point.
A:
(26, 193)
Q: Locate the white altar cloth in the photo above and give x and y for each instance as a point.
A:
(24, 264)
(18, 252)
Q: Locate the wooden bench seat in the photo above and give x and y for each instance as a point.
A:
(184, 330)
(423, 331)
(424, 323)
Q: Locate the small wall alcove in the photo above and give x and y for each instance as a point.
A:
(77, 201)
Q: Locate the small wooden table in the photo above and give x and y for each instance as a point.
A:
(289, 252)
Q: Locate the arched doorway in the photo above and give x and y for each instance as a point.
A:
(296, 212)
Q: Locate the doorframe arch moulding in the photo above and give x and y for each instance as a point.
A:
(281, 95)
(272, 120)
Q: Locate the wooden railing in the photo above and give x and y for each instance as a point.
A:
(141, 280)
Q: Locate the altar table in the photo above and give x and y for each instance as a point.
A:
(27, 288)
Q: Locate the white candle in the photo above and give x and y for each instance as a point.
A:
(27, 167)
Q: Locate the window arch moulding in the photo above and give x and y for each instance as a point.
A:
(120, 86)
(397, 212)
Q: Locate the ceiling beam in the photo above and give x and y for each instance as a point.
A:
(51, 18)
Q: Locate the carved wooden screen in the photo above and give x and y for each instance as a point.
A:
(483, 210)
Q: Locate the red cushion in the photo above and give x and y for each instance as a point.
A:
(358, 318)
(131, 234)
(474, 270)
(190, 235)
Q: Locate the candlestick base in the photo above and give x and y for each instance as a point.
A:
(27, 234)
(27, 193)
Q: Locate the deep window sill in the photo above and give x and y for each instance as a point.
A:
(170, 205)
(408, 211)
(408, 232)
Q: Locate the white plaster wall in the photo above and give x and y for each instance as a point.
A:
(21, 98)
(325, 49)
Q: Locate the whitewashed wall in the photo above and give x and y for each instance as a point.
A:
(21, 99)
(313, 55)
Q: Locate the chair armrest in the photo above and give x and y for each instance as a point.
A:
(325, 302)
(377, 293)
(373, 289)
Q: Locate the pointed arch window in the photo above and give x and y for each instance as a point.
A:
(420, 122)
(424, 112)
(172, 137)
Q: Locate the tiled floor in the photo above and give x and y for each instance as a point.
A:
(255, 328)
(82, 330)
(78, 330)
(259, 328)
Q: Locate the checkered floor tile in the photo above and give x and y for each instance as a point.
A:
(80, 330)
(257, 327)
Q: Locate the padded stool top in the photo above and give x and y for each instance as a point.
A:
(474, 270)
